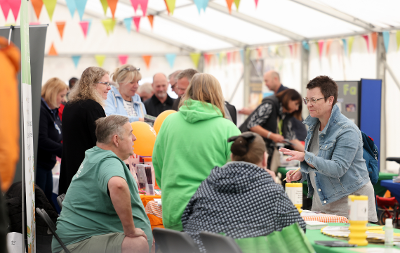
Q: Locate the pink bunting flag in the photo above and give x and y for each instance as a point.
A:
(136, 21)
(15, 6)
(34, 23)
(85, 26)
(122, 59)
(256, 3)
(5, 7)
(320, 47)
(142, 3)
(291, 50)
(366, 37)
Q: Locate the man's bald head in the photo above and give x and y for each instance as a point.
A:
(272, 80)
(160, 86)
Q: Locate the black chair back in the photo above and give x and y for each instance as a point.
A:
(215, 243)
(171, 241)
(60, 199)
(43, 214)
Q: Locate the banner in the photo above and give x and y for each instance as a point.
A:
(27, 138)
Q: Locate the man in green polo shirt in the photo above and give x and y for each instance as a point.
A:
(102, 210)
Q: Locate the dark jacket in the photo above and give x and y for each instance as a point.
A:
(79, 135)
(154, 107)
(50, 137)
(175, 106)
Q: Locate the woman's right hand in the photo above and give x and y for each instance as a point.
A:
(277, 138)
(296, 177)
(141, 119)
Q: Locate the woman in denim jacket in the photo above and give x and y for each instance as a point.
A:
(333, 163)
(124, 100)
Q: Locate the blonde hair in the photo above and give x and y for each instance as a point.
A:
(127, 73)
(86, 87)
(206, 89)
(50, 90)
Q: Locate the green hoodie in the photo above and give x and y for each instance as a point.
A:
(189, 145)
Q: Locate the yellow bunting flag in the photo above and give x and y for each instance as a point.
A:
(221, 57)
(350, 41)
(113, 6)
(37, 6)
(237, 2)
(229, 3)
(105, 6)
(100, 59)
(60, 27)
(50, 6)
(147, 59)
(195, 58)
(52, 50)
(109, 25)
(170, 5)
(151, 20)
(398, 39)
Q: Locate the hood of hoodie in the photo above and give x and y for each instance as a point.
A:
(238, 177)
(194, 111)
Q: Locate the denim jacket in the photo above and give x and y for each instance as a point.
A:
(115, 105)
(339, 166)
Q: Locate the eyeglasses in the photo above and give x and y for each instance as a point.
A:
(313, 100)
(106, 83)
(130, 69)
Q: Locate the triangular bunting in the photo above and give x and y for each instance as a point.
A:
(256, 3)
(128, 24)
(171, 59)
(205, 4)
(259, 52)
(71, 7)
(75, 59)
(351, 41)
(50, 6)
(207, 57)
(100, 59)
(147, 59)
(113, 6)
(237, 2)
(218, 57)
(398, 39)
(166, 5)
(221, 57)
(320, 47)
(15, 6)
(109, 25)
(374, 38)
(136, 21)
(80, 6)
(52, 50)
(37, 6)
(305, 45)
(5, 7)
(195, 59)
(143, 5)
(328, 46)
(241, 52)
(122, 59)
(85, 27)
(90, 24)
(60, 26)
(170, 6)
(104, 4)
(199, 5)
(151, 20)
(229, 57)
(366, 37)
(229, 3)
(345, 46)
(291, 50)
(386, 37)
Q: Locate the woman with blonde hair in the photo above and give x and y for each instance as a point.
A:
(84, 107)
(123, 100)
(50, 135)
(190, 143)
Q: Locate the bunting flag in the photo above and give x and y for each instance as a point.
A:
(123, 58)
(237, 2)
(60, 26)
(113, 6)
(201, 4)
(80, 6)
(195, 59)
(128, 24)
(166, 5)
(229, 57)
(50, 6)
(305, 45)
(351, 41)
(241, 52)
(207, 57)
(71, 7)
(5, 7)
(256, 3)
(229, 3)
(147, 59)
(15, 6)
(170, 5)
(104, 4)
(374, 38)
(386, 37)
(34, 23)
(52, 50)
(90, 24)
(221, 57)
(328, 46)
(136, 21)
(171, 59)
(76, 59)
(320, 47)
(205, 4)
(37, 6)
(151, 20)
(109, 25)
(296, 49)
(260, 52)
(143, 5)
(366, 37)
(85, 27)
(100, 59)
(344, 46)
(291, 50)
(398, 39)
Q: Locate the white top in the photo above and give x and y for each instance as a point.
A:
(128, 105)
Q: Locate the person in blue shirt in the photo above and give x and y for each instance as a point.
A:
(122, 99)
(50, 135)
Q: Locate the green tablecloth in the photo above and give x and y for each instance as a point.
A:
(316, 235)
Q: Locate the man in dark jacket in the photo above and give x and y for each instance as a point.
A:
(160, 101)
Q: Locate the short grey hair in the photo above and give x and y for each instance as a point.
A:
(188, 73)
(145, 88)
(174, 74)
(108, 126)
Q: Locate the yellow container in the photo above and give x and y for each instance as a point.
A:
(358, 219)
(295, 193)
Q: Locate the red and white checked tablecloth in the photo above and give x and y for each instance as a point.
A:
(153, 208)
(327, 218)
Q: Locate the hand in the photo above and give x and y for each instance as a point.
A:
(276, 138)
(136, 232)
(294, 155)
(296, 177)
(246, 111)
(141, 119)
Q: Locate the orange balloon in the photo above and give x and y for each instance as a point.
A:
(145, 138)
(160, 119)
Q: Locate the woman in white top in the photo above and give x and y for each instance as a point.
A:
(123, 100)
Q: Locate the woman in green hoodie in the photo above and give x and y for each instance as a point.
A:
(190, 143)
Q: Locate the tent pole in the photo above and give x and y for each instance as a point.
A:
(390, 71)
(246, 75)
(304, 65)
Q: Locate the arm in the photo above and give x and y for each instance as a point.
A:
(120, 197)
(264, 133)
(45, 142)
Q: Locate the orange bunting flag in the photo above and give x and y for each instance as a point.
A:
(374, 37)
(37, 6)
(207, 57)
(166, 5)
(320, 47)
(113, 6)
(328, 46)
(147, 59)
(260, 52)
(61, 26)
(151, 20)
(52, 50)
(229, 3)
(366, 37)
(170, 6)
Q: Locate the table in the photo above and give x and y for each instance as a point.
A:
(394, 188)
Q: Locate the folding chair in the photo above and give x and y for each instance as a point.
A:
(171, 241)
(43, 214)
(60, 199)
(215, 243)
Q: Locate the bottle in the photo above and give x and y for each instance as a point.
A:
(388, 233)
(358, 219)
